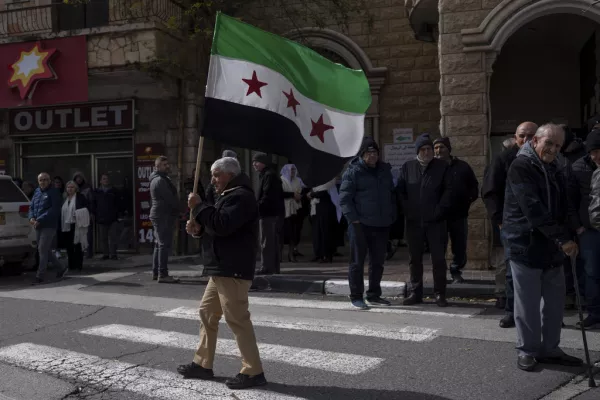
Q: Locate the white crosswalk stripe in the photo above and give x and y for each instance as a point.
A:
(407, 333)
(318, 359)
(116, 375)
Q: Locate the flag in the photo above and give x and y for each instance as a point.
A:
(268, 93)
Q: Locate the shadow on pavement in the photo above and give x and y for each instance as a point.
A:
(335, 393)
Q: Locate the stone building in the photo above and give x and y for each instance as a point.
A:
(467, 69)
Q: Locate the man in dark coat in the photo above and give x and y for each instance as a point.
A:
(106, 208)
(271, 208)
(465, 190)
(368, 203)
(536, 234)
(163, 214)
(588, 236)
(233, 223)
(492, 193)
(424, 189)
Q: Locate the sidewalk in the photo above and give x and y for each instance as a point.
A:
(329, 279)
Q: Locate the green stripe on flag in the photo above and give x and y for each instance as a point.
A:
(311, 74)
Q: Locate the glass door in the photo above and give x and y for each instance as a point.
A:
(119, 170)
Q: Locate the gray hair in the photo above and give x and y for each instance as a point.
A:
(229, 165)
(546, 129)
(74, 184)
(508, 143)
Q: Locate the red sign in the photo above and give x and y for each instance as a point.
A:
(45, 72)
(145, 155)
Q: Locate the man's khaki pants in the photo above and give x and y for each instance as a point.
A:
(229, 297)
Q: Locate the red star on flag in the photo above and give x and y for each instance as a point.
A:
(254, 85)
(292, 102)
(319, 128)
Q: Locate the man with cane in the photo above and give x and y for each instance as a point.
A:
(537, 238)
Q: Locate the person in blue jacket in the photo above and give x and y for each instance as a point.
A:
(44, 216)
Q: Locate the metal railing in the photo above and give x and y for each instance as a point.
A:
(88, 14)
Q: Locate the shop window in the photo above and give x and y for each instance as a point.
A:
(65, 167)
(48, 148)
(105, 146)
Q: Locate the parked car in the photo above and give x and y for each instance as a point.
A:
(17, 236)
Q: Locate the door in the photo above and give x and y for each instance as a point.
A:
(119, 170)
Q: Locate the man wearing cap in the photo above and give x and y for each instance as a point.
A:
(465, 190)
(492, 194)
(588, 236)
(271, 208)
(368, 202)
(424, 189)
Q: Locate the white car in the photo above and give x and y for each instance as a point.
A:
(17, 236)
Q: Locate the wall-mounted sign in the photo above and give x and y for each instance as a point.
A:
(145, 155)
(109, 116)
(402, 150)
(40, 72)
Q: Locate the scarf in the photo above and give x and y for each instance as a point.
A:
(294, 186)
(333, 193)
(424, 164)
(68, 214)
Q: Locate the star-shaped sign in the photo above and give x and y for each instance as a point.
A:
(292, 102)
(31, 68)
(254, 85)
(319, 128)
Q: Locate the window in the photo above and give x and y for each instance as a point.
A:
(80, 16)
(10, 193)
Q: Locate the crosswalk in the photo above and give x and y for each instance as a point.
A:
(334, 329)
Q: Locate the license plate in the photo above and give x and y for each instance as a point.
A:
(2, 219)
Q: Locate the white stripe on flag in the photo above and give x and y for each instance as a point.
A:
(225, 83)
(346, 306)
(115, 375)
(318, 359)
(407, 333)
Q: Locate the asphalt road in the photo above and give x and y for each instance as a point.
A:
(118, 335)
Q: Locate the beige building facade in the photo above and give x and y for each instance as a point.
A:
(467, 69)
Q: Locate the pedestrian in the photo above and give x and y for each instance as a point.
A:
(107, 207)
(210, 195)
(424, 189)
(292, 194)
(465, 190)
(582, 223)
(233, 221)
(86, 190)
(536, 235)
(492, 193)
(29, 189)
(163, 214)
(368, 202)
(324, 226)
(574, 148)
(272, 211)
(44, 216)
(59, 184)
(75, 219)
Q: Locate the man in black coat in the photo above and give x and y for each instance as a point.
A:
(492, 193)
(233, 224)
(107, 208)
(424, 190)
(588, 237)
(537, 238)
(465, 190)
(271, 208)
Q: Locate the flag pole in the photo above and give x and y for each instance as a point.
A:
(198, 164)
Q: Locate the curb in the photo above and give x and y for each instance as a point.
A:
(339, 287)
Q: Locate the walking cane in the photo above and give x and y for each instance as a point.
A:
(591, 381)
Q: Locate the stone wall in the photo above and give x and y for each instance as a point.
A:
(464, 105)
(410, 97)
(114, 50)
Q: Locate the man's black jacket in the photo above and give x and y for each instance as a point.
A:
(270, 194)
(494, 184)
(233, 224)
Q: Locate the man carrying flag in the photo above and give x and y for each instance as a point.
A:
(269, 94)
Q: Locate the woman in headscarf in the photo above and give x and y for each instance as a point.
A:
(292, 195)
(74, 222)
(325, 215)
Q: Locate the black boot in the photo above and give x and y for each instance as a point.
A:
(440, 300)
(195, 371)
(507, 322)
(412, 300)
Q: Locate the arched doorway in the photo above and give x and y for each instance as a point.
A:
(546, 71)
